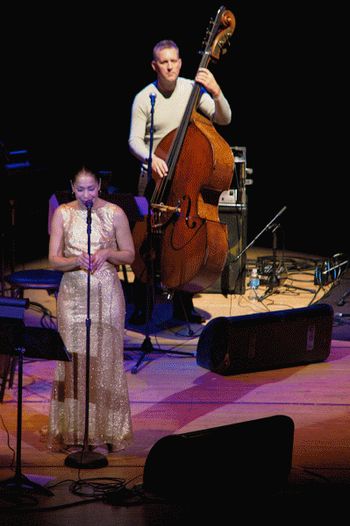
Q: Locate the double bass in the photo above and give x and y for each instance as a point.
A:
(189, 245)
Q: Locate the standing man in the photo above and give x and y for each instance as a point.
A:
(172, 95)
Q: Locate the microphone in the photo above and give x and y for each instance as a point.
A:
(153, 97)
(88, 205)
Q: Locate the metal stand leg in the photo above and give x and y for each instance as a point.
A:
(20, 483)
(342, 301)
(274, 280)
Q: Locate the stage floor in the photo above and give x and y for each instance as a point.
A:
(171, 394)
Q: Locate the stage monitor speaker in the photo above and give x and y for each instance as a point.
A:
(268, 340)
(233, 276)
(244, 458)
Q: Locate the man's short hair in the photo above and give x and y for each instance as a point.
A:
(164, 44)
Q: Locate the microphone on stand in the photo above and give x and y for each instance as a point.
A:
(153, 97)
(89, 205)
(86, 458)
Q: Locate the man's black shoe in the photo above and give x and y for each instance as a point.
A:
(196, 318)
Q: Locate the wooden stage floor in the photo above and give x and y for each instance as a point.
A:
(172, 394)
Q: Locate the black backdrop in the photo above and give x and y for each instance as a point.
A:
(69, 76)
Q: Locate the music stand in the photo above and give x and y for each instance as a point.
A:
(35, 342)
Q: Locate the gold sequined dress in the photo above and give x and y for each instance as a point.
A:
(109, 410)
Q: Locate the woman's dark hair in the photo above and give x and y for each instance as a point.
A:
(85, 168)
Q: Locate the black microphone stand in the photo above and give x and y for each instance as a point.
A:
(85, 458)
(260, 233)
(273, 281)
(147, 345)
(338, 266)
(20, 482)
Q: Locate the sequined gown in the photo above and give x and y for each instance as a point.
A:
(109, 412)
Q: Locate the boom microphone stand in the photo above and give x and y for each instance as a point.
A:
(274, 280)
(260, 233)
(85, 458)
(147, 345)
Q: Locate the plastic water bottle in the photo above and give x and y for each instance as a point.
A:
(253, 284)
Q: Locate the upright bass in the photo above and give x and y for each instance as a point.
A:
(189, 244)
